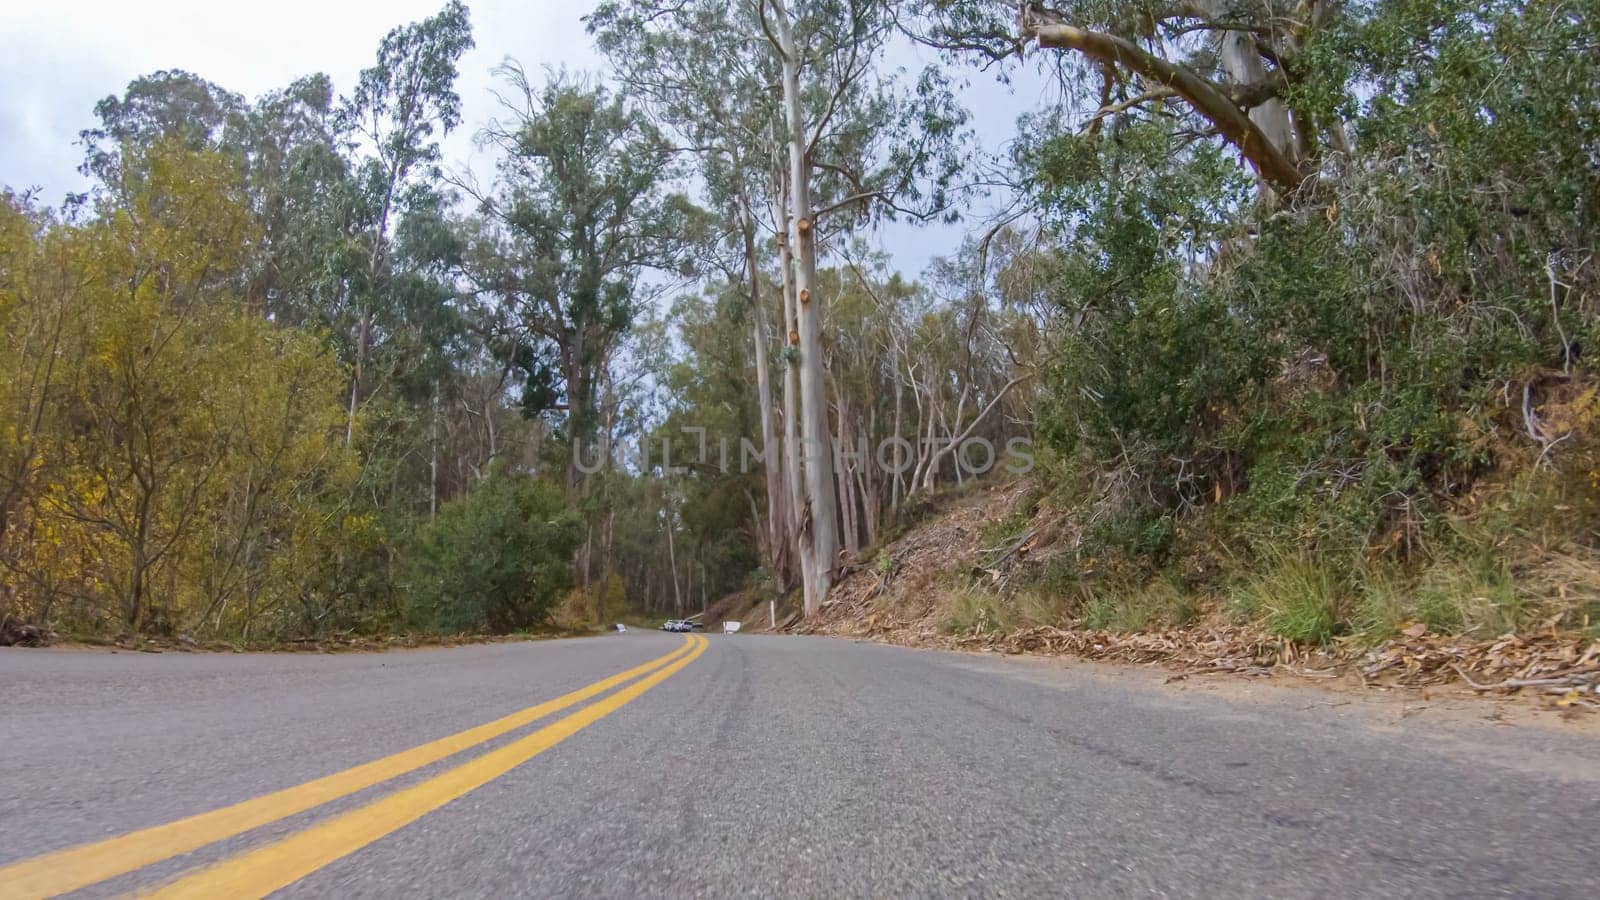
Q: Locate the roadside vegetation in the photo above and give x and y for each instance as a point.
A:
(1341, 414)
(1293, 306)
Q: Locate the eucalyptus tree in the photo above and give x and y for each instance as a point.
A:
(847, 141)
(696, 74)
(169, 104)
(266, 142)
(347, 233)
(289, 150)
(874, 149)
(579, 212)
(302, 191)
(1254, 74)
(401, 105)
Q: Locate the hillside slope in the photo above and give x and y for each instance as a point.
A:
(976, 574)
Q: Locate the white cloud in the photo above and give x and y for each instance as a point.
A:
(58, 60)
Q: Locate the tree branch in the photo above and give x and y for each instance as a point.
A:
(1206, 98)
(1112, 109)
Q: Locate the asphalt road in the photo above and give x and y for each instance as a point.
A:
(752, 765)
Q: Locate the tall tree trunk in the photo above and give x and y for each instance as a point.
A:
(769, 436)
(847, 503)
(1241, 63)
(897, 476)
(585, 554)
(799, 530)
(375, 260)
(355, 380)
(488, 423)
(433, 457)
(577, 419)
(763, 545)
(868, 483)
(815, 434)
(672, 565)
(688, 584)
(602, 602)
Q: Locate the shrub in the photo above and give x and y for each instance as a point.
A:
(1296, 598)
(495, 560)
(1310, 397)
(978, 612)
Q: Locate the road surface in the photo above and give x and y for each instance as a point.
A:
(652, 764)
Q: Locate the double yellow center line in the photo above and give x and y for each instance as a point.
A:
(261, 871)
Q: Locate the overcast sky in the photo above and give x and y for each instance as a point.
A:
(58, 60)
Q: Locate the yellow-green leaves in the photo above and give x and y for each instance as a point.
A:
(157, 438)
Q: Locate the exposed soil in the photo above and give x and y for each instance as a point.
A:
(903, 592)
(903, 596)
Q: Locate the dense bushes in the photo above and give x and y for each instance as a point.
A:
(158, 441)
(1319, 410)
(173, 462)
(497, 559)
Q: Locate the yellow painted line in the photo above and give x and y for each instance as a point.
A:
(259, 872)
(78, 867)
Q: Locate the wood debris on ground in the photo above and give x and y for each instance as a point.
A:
(902, 595)
(1556, 664)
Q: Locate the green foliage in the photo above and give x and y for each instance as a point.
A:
(1152, 350)
(579, 212)
(1160, 603)
(240, 377)
(978, 612)
(410, 89)
(160, 438)
(1296, 598)
(179, 447)
(495, 560)
(1301, 395)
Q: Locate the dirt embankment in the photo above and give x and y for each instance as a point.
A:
(903, 592)
(908, 593)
